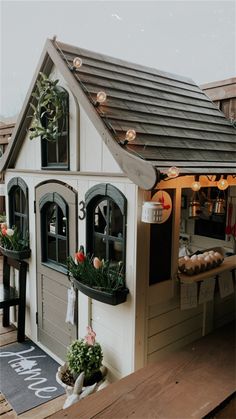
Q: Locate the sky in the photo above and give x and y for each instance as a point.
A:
(191, 38)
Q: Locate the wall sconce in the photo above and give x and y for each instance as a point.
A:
(152, 212)
(222, 184)
(173, 172)
(77, 63)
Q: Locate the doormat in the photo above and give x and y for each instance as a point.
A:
(27, 376)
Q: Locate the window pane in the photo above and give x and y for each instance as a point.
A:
(100, 247)
(61, 226)
(51, 219)
(62, 149)
(17, 222)
(100, 217)
(115, 220)
(52, 254)
(23, 202)
(16, 198)
(62, 252)
(52, 152)
(115, 251)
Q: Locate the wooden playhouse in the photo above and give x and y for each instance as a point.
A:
(89, 188)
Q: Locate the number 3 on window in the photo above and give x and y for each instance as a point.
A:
(82, 210)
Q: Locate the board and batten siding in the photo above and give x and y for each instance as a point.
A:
(169, 328)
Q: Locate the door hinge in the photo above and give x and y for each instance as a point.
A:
(34, 207)
(37, 317)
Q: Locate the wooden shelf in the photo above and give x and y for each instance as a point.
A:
(228, 265)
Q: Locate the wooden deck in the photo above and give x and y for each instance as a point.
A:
(188, 384)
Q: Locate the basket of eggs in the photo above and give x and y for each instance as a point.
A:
(200, 262)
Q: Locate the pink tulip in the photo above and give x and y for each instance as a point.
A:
(97, 263)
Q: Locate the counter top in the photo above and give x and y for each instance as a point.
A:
(228, 265)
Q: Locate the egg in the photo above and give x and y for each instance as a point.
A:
(186, 257)
(194, 257)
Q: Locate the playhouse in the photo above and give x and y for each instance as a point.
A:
(148, 136)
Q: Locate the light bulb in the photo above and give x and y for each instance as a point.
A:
(130, 135)
(173, 172)
(77, 62)
(101, 97)
(222, 184)
(196, 186)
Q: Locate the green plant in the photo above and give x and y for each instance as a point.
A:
(96, 273)
(85, 355)
(11, 238)
(49, 110)
(2, 218)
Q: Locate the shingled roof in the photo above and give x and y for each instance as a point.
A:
(176, 123)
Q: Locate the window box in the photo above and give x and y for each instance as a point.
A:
(113, 298)
(15, 254)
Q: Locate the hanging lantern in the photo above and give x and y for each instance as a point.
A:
(152, 212)
(194, 206)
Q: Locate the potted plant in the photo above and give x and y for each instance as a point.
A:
(12, 244)
(98, 279)
(49, 110)
(83, 372)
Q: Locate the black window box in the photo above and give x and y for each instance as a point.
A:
(113, 298)
(15, 254)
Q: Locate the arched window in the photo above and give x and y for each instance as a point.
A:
(55, 154)
(54, 228)
(106, 209)
(18, 205)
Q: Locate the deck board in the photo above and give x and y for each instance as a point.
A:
(188, 383)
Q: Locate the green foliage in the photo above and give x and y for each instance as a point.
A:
(84, 357)
(50, 108)
(106, 278)
(11, 238)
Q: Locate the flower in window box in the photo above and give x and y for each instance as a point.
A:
(11, 238)
(95, 273)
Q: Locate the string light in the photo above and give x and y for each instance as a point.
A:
(196, 186)
(130, 135)
(222, 184)
(101, 97)
(77, 62)
(173, 172)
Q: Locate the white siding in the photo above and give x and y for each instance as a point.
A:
(169, 328)
(114, 325)
(94, 154)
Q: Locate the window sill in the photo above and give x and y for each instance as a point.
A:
(55, 267)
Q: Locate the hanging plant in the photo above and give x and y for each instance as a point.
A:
(50, 111)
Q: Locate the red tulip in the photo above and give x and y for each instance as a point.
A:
(80, 257)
